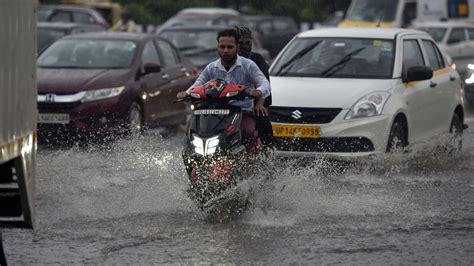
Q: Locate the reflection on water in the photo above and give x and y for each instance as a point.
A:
(124, 201)
(147, 175)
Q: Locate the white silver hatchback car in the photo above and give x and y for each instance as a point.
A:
(362, 91)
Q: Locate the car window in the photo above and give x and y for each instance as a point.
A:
(81, 17)
(61, 16)
(437, 33)
(265, 27)
(280, 25)
(439, 56)
(470, 32)
(457, 35)
(170, 56)
(191, 41)
(409, 13)
(411, 55)
(150, 55)
(435, 63)
(43, 14)
(373, 10)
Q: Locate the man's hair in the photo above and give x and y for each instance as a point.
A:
(228, 33)
(243, 31)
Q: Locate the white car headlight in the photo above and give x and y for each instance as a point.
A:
(369, 105)
(102, 94)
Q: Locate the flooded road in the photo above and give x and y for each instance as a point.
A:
(126, 203)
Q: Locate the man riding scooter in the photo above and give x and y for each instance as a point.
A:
(238, 70)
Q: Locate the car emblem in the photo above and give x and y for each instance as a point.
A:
(296, 114)
(50, 98)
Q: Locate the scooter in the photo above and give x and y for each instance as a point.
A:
(214, 155)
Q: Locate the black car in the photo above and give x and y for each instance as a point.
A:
(71, 14)
(50, 32)
(276, 31)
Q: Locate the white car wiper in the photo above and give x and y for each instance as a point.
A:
(297, 56)
(341, 64)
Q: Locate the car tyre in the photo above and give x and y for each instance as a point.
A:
(135, 120)
(397, 139)
(455, 131)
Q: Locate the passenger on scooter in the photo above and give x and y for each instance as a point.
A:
(264, 126)
(239, 70)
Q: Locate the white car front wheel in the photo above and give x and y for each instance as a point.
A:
(455, 132)
(397, 139)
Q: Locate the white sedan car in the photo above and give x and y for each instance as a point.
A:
(362, 91)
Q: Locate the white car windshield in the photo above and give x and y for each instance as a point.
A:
(337, 58)
(88, 54)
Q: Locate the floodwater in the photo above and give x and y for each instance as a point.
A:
(125, 203)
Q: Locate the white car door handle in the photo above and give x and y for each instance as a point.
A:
(165, 76)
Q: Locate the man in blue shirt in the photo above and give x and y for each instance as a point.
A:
(235, 69)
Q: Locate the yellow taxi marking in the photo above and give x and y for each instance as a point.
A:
(296, 131)
(350, 23)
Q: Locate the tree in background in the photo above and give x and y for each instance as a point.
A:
(156, 12)
(300, 10)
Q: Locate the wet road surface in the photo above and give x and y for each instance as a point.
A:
(125, 203)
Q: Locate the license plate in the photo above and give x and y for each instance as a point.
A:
(212, 112)
(53, 118)
(296, 131)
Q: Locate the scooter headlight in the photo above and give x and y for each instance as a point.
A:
(205, 146)
(198, 145)
(211, 145)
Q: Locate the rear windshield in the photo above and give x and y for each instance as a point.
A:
(88, 54)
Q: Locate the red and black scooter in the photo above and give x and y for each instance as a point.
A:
(215, 156)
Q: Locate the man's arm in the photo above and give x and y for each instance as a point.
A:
(259, 79)
(204, 77)
(261, 63)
